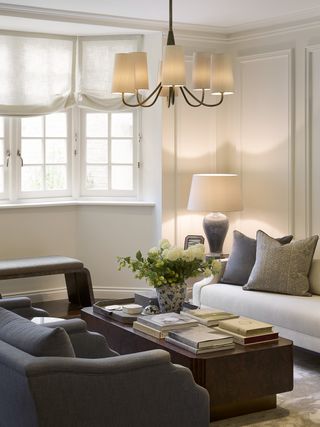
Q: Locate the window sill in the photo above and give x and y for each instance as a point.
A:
(80, 202)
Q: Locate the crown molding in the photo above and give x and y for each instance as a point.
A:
(303, 20)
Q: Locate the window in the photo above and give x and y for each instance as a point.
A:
(109, 162)
(43, 158)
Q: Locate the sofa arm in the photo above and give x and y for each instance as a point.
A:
(136, 390)
(197, 287)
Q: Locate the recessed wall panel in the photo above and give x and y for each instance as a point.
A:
(265, 143)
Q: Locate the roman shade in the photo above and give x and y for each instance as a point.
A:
(43, 73)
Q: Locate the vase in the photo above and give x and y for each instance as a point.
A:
(171, 297)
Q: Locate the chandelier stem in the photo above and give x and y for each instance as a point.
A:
(170, 38)
(143, 103)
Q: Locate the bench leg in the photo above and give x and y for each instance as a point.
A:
(79, 287)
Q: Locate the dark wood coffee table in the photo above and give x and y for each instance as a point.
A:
(239, 381)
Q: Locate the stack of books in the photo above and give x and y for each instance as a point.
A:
(200, 340)
(208, 317)
(247, 331)
(158, 325)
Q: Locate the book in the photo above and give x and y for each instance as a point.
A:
(200, 337)
(253, 339)
(166, 321)
(245, 326)
(197, 350)
(148, 330)
(208, 317)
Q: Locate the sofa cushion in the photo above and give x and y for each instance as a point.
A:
(282, 268)
(286, 311)
(242, 258)
(33, 339)
(314, 277)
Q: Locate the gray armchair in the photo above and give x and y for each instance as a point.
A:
(137, 390)
(22, 306)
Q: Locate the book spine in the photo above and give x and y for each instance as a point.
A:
(256, 339)
(183, 340)
(148, 330)
(198, 351)
(242, 331)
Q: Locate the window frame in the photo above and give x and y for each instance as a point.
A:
(4, 195)
(110, 194)
(47, 194)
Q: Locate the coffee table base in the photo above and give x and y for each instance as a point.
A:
(235, 409)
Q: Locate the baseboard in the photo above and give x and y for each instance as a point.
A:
(61, 293)
(40, 295)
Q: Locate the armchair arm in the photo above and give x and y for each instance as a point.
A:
(136, 390)
(86, 344)
(23, 307)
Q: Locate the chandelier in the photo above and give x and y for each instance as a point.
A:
(210, 73)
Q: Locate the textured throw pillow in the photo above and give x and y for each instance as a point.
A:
(282, 268)
(242, 258)
(33, 339)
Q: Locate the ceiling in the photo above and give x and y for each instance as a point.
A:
(220, 15)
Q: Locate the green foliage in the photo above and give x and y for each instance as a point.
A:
(169, 265)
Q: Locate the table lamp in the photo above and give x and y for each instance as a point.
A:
(214, 193)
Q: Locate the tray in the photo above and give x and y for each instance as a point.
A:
(119, 316)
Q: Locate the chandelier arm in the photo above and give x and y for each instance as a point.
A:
(203, 103)
(142, 103)
(187, 100)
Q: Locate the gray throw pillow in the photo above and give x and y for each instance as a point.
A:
(32, 338)
(242, 258)
(282, 268)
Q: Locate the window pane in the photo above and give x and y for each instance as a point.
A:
(1, 180)
(97, 125)
(31, 151)
(56, 177)
(121, 151)
(56, 124)
(1, 152)
(122, 124)
(56, 151)
(32, 126)
(1, 127)
(97, 178)
(97, 151)
(122, 177)
(31, 178)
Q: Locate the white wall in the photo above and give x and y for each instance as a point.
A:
(268, 132)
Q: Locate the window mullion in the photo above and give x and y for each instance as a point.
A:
(109, 164)
(14, 167)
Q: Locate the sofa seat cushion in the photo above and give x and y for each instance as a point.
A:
(33, 339)
(287, 311)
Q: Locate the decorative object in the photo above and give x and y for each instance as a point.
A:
(243, 257)
(167, 267)
(209, 73)
(215, 193)
(151, 309)
(282, 268)
(192, 239)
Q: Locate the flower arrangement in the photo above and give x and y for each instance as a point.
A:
(170, 265)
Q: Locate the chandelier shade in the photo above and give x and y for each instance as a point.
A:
(209, 72)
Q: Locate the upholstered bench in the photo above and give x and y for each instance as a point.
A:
(77, 277)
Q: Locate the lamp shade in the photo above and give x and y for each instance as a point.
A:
(173, 66)
(215, 193)
(123, 74)
(140, 69)
(222, 74)
(201, 70)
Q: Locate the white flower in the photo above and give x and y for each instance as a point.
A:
(165, 244)
(172, 254)
(194, 252)
(153, 251)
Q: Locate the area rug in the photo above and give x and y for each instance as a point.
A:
(298, 408)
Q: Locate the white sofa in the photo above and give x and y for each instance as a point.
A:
(296, 318)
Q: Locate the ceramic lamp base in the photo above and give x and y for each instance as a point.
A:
(215, 226)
